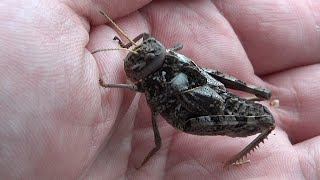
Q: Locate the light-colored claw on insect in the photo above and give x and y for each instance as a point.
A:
(252, 98)
(275, 103)
(240, 162)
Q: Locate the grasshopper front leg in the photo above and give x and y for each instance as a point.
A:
(234, 83)
(127, 86)
(157, 138)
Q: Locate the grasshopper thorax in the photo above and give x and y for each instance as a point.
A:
(149, 57)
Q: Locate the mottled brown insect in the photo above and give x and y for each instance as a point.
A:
(191, 98)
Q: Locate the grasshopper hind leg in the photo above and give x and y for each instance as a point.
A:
(234, 83)
(238, 158)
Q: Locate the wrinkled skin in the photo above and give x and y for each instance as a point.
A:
(58, 123)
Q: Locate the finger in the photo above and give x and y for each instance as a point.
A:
(115, 8)
(112, 161)
(276, 35)
(53, 87)
(48, 99)
(308, 153)
(299, 95)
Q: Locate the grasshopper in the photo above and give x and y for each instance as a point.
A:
(191, 98)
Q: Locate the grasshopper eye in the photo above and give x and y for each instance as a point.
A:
(149, 57)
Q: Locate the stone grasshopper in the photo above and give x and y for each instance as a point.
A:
(191, 98)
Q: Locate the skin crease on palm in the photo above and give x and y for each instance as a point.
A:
(58, 123)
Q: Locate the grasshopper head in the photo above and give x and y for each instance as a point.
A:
(149, 57)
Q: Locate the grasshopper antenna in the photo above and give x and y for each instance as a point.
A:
(113, 49)
(118, 28)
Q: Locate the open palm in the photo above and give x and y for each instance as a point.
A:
(57, 122)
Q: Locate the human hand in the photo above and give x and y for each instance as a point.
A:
(57, 122)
